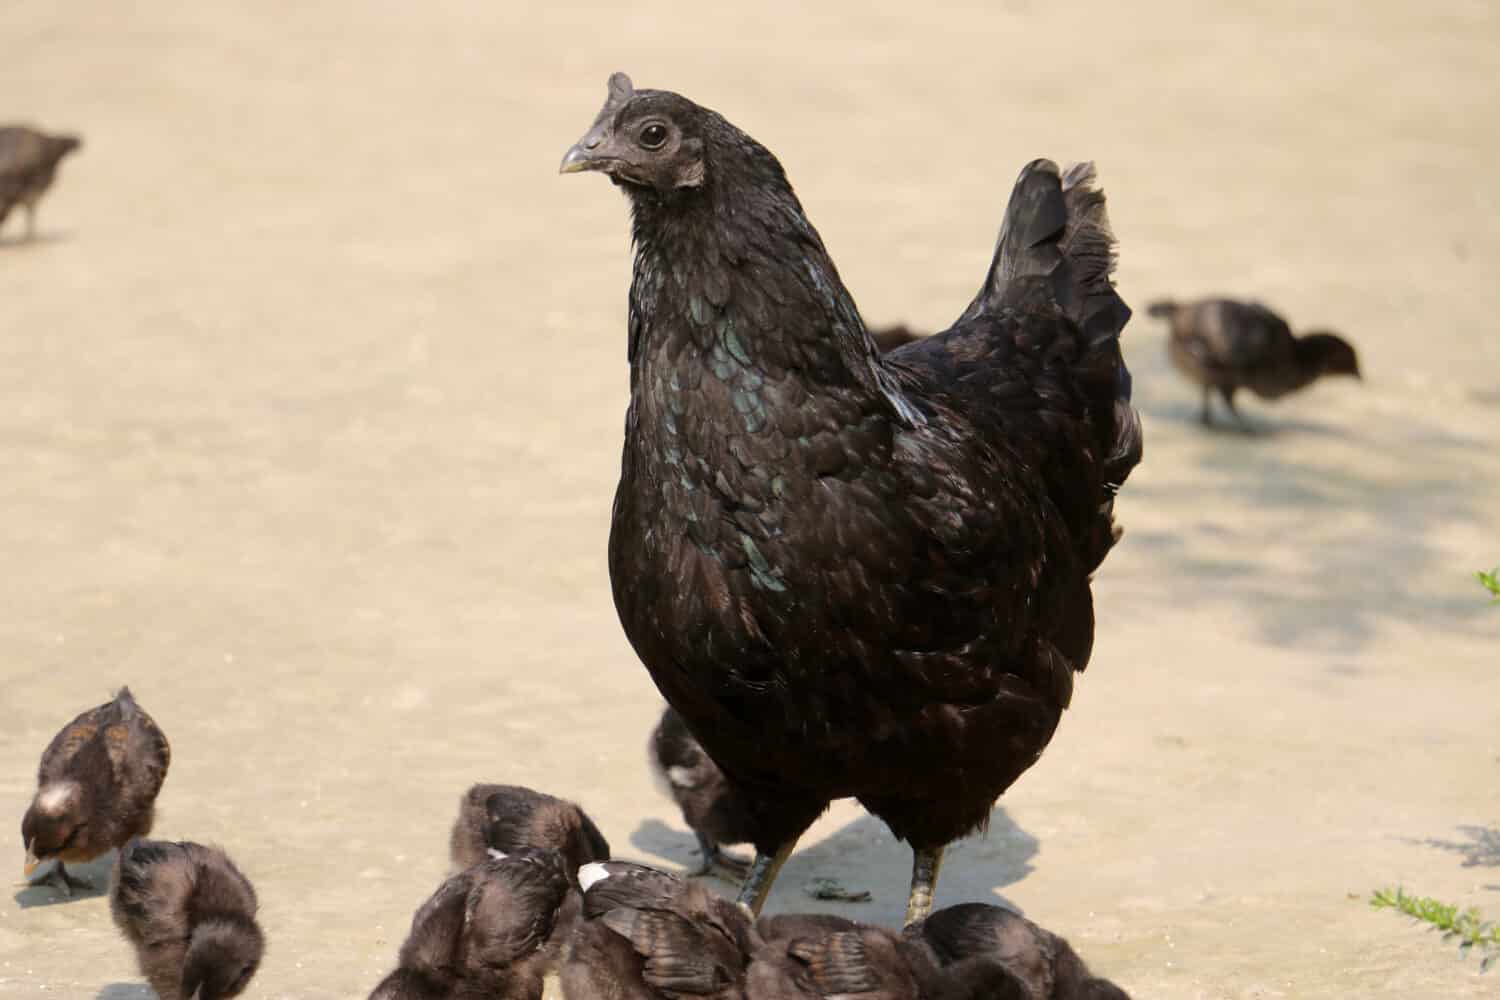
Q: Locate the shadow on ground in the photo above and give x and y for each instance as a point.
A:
(20, 239)
(1308, 541)
(126, 991)
(95, 873)
(1481, 849)
(863, 855)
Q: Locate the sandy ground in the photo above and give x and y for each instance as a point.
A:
(313, 390)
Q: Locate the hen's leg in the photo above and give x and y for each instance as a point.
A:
(31, 235)
(1206, 414)
(757, 884)
(925, 863)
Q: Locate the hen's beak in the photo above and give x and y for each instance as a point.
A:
(31, 861)
(587, 154)
(575, 160)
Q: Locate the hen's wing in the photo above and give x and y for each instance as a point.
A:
(1033, 373)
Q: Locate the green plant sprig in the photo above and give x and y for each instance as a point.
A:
(1468, 926)
(1490, 581)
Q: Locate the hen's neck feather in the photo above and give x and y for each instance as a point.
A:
(732, 275)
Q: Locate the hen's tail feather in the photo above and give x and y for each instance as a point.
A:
(1088, 249)
(1056, 244)
(1162, 309)
(1056, 254)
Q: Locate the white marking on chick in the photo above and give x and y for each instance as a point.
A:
(54, 798)
(681, 777)
(591, 874)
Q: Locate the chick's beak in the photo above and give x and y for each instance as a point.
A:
(31, 861)
(587, 153)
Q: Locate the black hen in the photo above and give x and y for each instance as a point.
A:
(190, 914)
(493, 930)
(855, 575)
(96, 787)
(28, 166)
(496, 820)
(1046, 964)
(710, 803)
(1225, 346)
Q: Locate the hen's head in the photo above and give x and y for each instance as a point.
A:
(645, 138)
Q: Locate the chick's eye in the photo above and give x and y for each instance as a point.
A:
(653, 136)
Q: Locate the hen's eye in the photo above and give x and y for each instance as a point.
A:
(653, 135)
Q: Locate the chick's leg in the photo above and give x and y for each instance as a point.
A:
(1206, 414)
(1239, 418)
(720, 863)
(763, 870)
(925, 863)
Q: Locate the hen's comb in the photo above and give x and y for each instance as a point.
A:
(620, 90)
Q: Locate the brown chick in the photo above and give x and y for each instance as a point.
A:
(28, 165)
(887, 974)
(784, 927)
(493, 930)
(1046, 964)
(608, 885)
(96, 787)
(497, 820)
(1224, 346)
(711, 806)
(870, 963)
(190, 914)
(649, 935)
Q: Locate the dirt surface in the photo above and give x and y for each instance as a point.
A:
(313, 388)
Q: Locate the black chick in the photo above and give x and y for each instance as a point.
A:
(651, 935)
(856, 575)
(1225, 346)
(28, 165)
(496, 820)
(493, 930)
(1046, 964)
(96, 788)
(190, 914)
(710, 804)
(607, 885)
